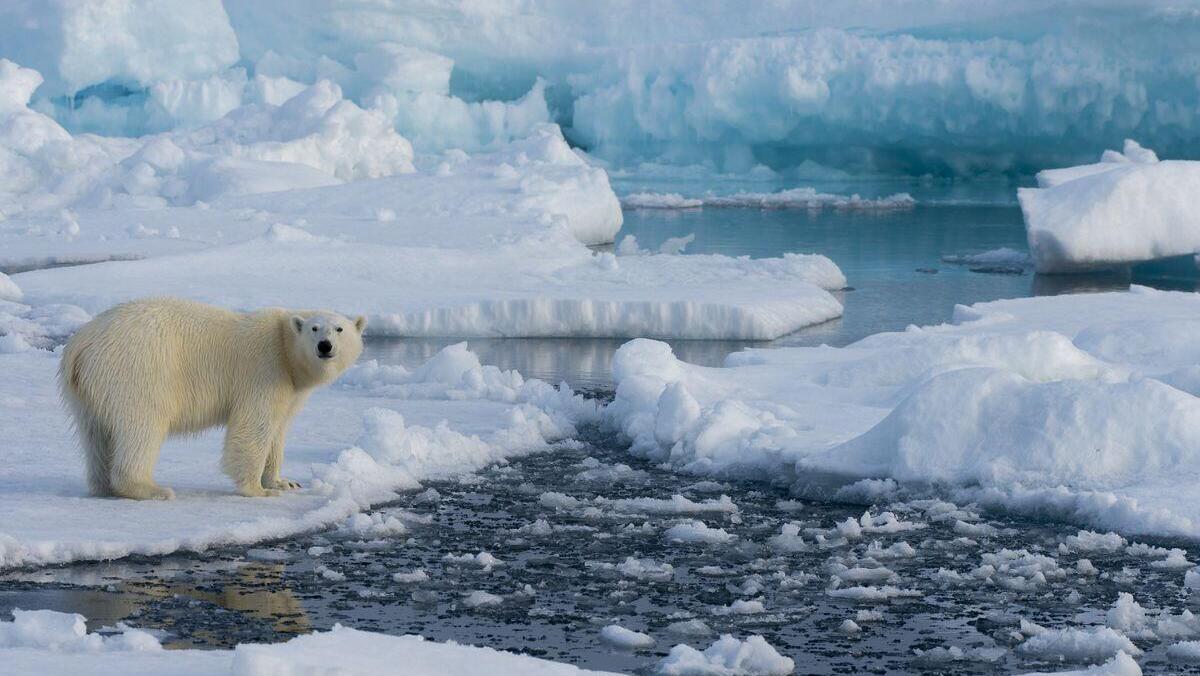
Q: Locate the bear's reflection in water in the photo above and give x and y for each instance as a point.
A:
(249, 603)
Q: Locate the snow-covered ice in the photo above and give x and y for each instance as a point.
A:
(1080, 406)
(241, 211)
(44, 642)
(402, 438)
(727, 656)
(1127, 208)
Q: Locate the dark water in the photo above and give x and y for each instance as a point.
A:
(563, 574)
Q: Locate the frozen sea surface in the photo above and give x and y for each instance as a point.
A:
(540, 555)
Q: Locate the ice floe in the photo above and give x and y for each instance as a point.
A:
(1064, 405)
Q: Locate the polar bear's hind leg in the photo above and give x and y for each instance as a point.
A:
(135, 452)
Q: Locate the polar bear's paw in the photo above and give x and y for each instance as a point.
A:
(282, 484)
(143, 491)
(255, 490)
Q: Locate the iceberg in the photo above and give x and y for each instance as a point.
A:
(1127, 208)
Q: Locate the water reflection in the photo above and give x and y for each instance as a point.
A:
(892, 261)
(111, 593)
(582, 362)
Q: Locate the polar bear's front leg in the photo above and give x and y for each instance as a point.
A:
(248, 447)
(270, 475)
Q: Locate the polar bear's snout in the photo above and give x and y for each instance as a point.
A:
(325, 349)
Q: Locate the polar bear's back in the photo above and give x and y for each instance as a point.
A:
(165, 359)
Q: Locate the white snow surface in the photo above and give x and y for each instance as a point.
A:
(1081, 406)
(727, 656)
(455, 417)
(49, 642)
(1127, 208)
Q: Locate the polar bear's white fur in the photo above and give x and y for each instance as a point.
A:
(147, 369)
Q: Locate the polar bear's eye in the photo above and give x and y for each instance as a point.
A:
(339, 329)
(314, 328)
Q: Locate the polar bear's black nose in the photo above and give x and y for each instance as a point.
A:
(324, 347)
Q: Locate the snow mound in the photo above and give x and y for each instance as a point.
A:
(1127, 208)
(1060, 405)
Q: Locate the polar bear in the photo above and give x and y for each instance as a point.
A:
(147, 369)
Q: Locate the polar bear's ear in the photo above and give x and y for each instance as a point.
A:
(297, 323)
(360, 323)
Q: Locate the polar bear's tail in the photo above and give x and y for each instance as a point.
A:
(97, 442)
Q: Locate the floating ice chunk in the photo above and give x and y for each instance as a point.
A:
(1113, 213)
(1091, 541)
(484, 560)
(870, 594)
(616, 635)
(1000, 259)
(647, 200)
(794, 198)
(1077, 645)
(411, 577)
(868, 616)
(690, 628)
(481, 599)
(673, 246)
(789, 539)
(727, 657)
(67, 633)
(640, 569)
(330, 574)
(697, 532)
(849, 627)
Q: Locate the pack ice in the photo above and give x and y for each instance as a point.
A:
(315, 201)
(1127, 208)
(1084, 407)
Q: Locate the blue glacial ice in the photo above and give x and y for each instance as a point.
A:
(912, 88)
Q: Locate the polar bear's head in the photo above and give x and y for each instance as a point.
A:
(325, 343)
